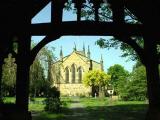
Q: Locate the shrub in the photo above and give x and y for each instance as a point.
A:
(53, 103)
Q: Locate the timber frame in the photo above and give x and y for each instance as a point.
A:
(16, 23)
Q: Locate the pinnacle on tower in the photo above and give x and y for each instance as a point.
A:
(74, 49)
(83, 48)
(101, 62)
(61, 53)
(88, 53)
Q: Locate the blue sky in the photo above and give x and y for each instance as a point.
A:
(110, 57)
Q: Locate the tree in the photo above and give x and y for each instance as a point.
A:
(127, 50)
(40, 72)
(118, 76)
(97, 79)
(135, 88)
(9, 76)
(37, 78)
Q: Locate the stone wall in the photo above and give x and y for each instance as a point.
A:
(74, 90)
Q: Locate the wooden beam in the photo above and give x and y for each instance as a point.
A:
(86, 28)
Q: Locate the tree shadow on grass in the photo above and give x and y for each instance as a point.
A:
(117, 112)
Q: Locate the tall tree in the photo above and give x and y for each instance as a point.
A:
(40, 72)
(37, 78)
(118, 76)
(135, 88)
(9, 76)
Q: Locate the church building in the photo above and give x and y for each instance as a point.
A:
(68, 72)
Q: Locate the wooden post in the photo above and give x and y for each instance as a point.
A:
(96, 4)
(117, 7)
(23, 67)
(57, 11)
(153, 78)
(78, 5)
(1, 63)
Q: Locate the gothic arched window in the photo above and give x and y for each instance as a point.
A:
(79, 74)
(73, 73)
(67, 75)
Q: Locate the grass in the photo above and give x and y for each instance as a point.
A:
(106, 109)
(48, 116)
(66, 101)
(42, 115)
(96, 109)
(9, 99)
(37, 104)
(91, 102)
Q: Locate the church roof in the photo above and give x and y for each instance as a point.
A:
(81, 54)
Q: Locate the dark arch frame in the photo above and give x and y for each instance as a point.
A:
(17, 22)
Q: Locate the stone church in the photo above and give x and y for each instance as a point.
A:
(68, 72)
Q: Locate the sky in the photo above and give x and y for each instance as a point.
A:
(110, 57)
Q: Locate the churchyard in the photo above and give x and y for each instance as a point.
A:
(89, 109)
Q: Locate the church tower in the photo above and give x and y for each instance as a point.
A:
(101, 62)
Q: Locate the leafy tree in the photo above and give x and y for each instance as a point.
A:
(118, 76)
(139, 83)
(97, 79)
(136, 87)
(9, 76)
(127, 50)
(40, 75)
(37, 79)
(105, 12)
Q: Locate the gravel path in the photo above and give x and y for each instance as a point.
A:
(78, 111)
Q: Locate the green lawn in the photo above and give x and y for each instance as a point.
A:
(96, 109)
(48, 116)
(42, 115)
(9, 99)
(106, 109)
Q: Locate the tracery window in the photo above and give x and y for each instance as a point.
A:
(67, 75)
(73, 73)
(79, 74)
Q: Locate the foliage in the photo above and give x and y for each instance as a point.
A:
(105, 12)
(37, 79)
(96, 78)
(53, 103)
(40, 72)
(127, 50)
(118, 77)
(136, 87)
(9, 76)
